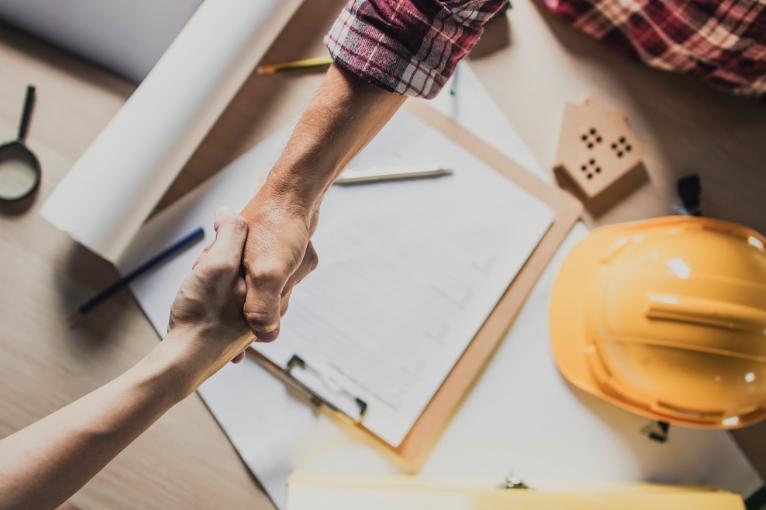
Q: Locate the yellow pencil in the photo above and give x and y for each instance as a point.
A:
(306, 63)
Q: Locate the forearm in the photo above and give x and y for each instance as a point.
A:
(344, 115)
(44, 464)
(382, 51)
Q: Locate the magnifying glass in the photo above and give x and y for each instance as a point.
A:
(19, 167)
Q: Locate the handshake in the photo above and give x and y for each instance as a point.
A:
(240, 285)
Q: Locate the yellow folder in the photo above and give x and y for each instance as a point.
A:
(408, 493)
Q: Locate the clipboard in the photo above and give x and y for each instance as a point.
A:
(413, 450)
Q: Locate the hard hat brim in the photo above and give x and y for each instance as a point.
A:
(572, 288)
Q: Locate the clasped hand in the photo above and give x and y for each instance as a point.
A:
(218, 310)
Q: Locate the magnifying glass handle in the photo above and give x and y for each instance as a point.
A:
(26, 114)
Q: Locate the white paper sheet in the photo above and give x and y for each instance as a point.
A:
(107, 195)
(466, 100)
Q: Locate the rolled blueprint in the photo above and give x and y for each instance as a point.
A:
(116, 183)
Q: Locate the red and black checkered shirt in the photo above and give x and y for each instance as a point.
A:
(412, 46)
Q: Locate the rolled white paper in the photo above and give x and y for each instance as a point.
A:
(113, 187)
(129, 37)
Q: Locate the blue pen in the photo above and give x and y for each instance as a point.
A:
(179, 245)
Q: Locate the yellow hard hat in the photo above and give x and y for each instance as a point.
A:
(667, 318)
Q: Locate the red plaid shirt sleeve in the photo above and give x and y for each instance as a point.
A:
(407, 46)
(722, 41)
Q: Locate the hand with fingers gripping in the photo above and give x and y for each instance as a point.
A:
(207, 312)
(278, 255)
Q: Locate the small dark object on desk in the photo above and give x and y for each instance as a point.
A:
(689, 189)
(19, 167)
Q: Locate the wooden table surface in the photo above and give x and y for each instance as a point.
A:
(531, 63)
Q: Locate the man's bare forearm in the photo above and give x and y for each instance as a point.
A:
(344, 115)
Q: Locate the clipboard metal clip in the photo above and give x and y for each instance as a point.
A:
(296, 362)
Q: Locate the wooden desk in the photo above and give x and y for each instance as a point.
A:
(683, 124)
(185, 461)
